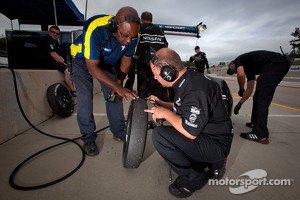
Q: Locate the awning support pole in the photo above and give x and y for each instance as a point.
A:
(54, 8)
(86, 5)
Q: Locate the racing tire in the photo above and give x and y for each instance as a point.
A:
(60, 100)
(226, 94)
(136, 134)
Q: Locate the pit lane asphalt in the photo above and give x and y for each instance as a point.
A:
(103, 176)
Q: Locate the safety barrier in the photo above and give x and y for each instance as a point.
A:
(32, 89)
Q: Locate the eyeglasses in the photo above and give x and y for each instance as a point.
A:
(126, 37)
(55, 33)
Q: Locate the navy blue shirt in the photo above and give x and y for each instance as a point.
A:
(98, 43)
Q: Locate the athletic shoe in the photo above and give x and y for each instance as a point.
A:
(250, 125)
(91, 148)
(118, 138)
(178, 190)
(253, 137)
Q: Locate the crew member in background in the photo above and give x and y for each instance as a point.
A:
(200, 61)
(152, 38)
(271, 68)
(50, 56)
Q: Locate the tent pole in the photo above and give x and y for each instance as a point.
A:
(11, 24)
(54, 8)
(86, 5)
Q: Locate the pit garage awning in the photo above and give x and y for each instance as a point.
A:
(41, 12)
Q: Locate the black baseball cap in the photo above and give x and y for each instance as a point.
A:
(229, 71)
(197, 47)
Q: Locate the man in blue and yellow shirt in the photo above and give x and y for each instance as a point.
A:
(105, 40)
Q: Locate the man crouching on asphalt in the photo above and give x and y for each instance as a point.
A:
(200, 134)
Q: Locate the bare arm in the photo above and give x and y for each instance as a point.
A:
(241, 76)
(56, 57)
(99, 74)
(248, 91)
(156, 101)
(175, 120)
(163, 110)
(124, 68)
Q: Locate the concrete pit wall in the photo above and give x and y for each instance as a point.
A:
(32, 88)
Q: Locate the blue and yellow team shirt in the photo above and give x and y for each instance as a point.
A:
(97, 43)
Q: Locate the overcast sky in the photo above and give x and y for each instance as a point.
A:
(233, 26)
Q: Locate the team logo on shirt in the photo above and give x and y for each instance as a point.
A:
(193, 116)
(107, 50)
(123, 47)
(51, 46)
(178, 102)
(195, 110)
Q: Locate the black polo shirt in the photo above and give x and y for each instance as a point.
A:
(48, 45)
(255, 62)
(198, 100)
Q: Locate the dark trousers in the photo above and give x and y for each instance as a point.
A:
(184, 155)
(84, 91)
(266, 84)
(55, 65)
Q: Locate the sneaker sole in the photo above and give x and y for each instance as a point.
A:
(255, 140)
(250, 125)
(118, 139)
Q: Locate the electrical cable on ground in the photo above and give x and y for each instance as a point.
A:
(66, 140)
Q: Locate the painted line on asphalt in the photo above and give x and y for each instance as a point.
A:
(273, 103)
(99, 114)
(284, 115)
(284, 106)
(96, 114)
(292, 84)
